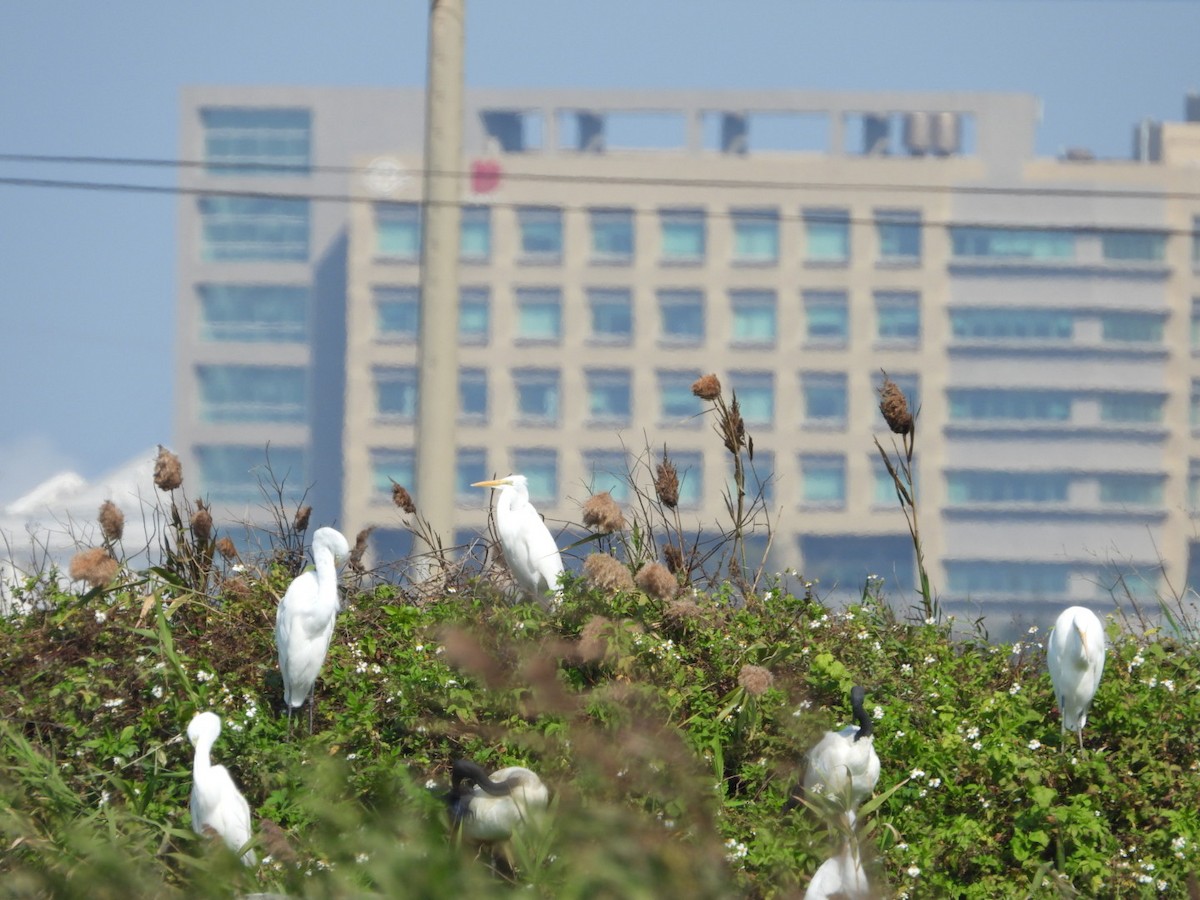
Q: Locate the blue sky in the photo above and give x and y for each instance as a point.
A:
(87, 312)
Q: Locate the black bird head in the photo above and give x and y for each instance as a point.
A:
(463, 774)
(865, 726)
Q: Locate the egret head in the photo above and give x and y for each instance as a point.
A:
(334, 541)
(205, 726)
(516, 481)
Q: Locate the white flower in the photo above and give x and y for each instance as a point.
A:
(104, 795)
(935, 782)
(978, 745)
(1169, 685)
(972, 733)
(430, 784)
(362, 857)
(902, 846)
(906, 669)
(204, 676)
(1033, 629)
(156, 692)
(913, 871)
(735, 849)
(1015, 689)
(929, 660)
(877, 714)
(1035, 744)
(100, 616)
(916, 773)
(114, 703)
(930, 620)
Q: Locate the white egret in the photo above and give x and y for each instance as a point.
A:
(1075, 656)
(841, 877)
(487, 808)
(216, 801)
(529, 548)
(843, 767)
(304, 620)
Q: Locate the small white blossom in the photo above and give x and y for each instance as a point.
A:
(362, 857)
(1033, 629)
(156, 692)
(972, 733)
(930, 620)
(1015, 689)
(978, 745)
(929, 660)
(430, 784)
(877, 714)
(114, 703)
(1169, 685)
(912, 871)
(104, 796)
(935, 782)
(204, 676)
(735, 849)
(100, 616)
(916, 773)
(906, 669)
(1035, 744)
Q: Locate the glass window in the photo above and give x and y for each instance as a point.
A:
(755, 236)
(612, 235)
(540, 466)
(541, 233)
(885, 488)
(254, 313)
(1012, 324)
(612, 315)
(398, 231)
(690, 467)
(898, 317)
(1194, 405)
(232, 473)
(756, 397)
(823, 481)
(257, 140)
(472, 396)
(539, 315)
(607, 470)
(537, 396)
(1196, 242)
(1131, 408)
(997, 405)
(1012, 579)
(234, 393)
(1193, 486)
(388, 465)
(681, 316)
(473, 315)
(677, 404)
(1006, 487)
(754, 318)
(242, 229)
(396, 393)
(827, 317)
(842, 562)
(1133, 245)
(1134, 489)
(398, 313)
(824, 396)
(1012, 243)
(475, 234)
(827, 235)
(899, 233)
(1195, 324)
(683, 237)
(470, 465)
(1133, 327)
(609, 396)
(760, 477)
(910, 385)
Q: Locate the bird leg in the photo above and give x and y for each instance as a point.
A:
(312, 701)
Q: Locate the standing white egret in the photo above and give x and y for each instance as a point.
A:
(843, 767)
(489, 808)
(1075, 656)
(216, 801)
(840, 877)
(304, 620)
(529, 548)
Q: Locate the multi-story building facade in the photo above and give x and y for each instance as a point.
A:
(797, 244)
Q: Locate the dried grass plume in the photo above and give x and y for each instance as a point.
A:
(601, 513)
(112, 521)
(95, 566)
(607, 573)
(359, 549)
(674, 557)
(202, 523)
(657, 582)
(227, 549)
(707, 387)
(666, 482)
(894, 406)
(168, 472)
(403, 499)
(300, 521)
(755, 679)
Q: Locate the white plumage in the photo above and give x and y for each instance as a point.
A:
(843, 767)
(529, 547)
(304, 620)
(216, 801)
(1075, 656)
(840, 877)
(490, 808)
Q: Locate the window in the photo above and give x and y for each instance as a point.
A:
(999, 405)
(683, 237)
(612, 315)
(1010, 579)
(910, 386)
(1132, 489)
(827, 318)
(541, 234)
(1131, 408)
(1193, 486)
(257, 141)
(612, 235)
(254, 313)
(537, 396)
(1012, 243)
(1133, 327)
(540, 466)
(475, 234)
(827, 235)
(756, 397)
(473, 315)
(388, 466)
(470, 465)
(677, 404)
(607, 470)
(966, 488)
(884, 493)
(1196, 242)
(823, 481)
(243, 229)
(1012, 324)
(842, 562)
(754, 318)
(396, 393)
(1194, 405)
(1140, 246)
(899, 233)
(398, 231)
(398, 313)
(472, 396)
(756, 236)
(760, 477)
(1195, 324)
(898, 317)
(690, 467)
(232, 473)
(824, 397)
(539, 315)
(681, 316)
(233, 393)
(609, 397)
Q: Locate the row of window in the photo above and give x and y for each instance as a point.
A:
(1020, 488)
(1049, 580)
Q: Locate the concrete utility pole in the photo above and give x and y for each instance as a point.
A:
(437, 355)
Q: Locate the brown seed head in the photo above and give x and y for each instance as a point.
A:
(94, 566)
(300, 521)
(360, 548)
(666, 483)
(733, 427)
(403, 499)
(607, 573)
(707, 387)
(674, 557)
(657, 582)
(275, 841)
(894, 406)
(202, 524)
(601, 513)
(681, 611)
(226, 548)
(236, 588)
(593, 639)
(168, 472)
(112, 521)
(755, 679)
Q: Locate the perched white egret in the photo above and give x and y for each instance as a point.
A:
(489, 808)
(1075, 657)
(529, 548)
(216, 801)
(841, 877)
(304, 620)
(843, 767)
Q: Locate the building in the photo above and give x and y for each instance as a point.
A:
(615, 246)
